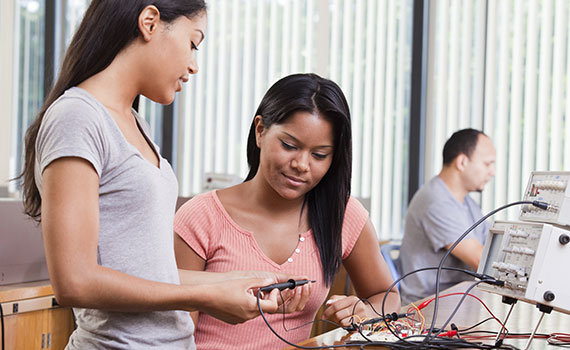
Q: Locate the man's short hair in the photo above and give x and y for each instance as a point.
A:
(461, 142)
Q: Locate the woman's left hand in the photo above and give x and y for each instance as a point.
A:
(295, 299)
(340, 308)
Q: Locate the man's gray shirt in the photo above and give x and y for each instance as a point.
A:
(434, 220)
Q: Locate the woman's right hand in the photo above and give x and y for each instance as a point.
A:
(292, 299)
(235, 301)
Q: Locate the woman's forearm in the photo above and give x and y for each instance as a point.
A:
(103, 288)
(193, 277)
(229, 300)
(393, 303)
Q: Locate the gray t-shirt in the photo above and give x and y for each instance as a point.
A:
(435, 219)
(136, 203)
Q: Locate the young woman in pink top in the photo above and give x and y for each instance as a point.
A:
(293, 214)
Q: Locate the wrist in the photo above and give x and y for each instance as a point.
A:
(197, 297)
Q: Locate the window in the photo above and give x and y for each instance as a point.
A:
(502, 66)
(26, 40)
(28, 74)
(364, 46)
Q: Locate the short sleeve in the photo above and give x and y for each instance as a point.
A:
(443, 224)
(355, 217)
(194, 224)
(71, 128)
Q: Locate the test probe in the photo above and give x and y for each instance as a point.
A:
(291, 284)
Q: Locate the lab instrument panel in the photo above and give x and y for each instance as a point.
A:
(551, 187)
(531, 258)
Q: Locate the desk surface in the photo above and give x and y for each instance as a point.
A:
(523, 319)
(19, 291)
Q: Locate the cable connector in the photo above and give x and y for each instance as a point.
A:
(454, 328)
(542, 205)
(449, 334)
(489, 279)
(494, 282)
(388, 317)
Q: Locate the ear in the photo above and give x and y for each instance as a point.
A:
(461, 162)
(148, 21)
(259, 129)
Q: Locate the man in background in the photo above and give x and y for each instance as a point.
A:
(441, 210)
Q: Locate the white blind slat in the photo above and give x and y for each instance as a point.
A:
(567, 122)
(347, 48)
(295, 36)
(272, 52)
(441, 82)
(558, 85)
(490, 90)
(399, 121)
(387, 174)
(357, 110)
(233, 106)
(221, 112)
(309, 43)
(515, 118)
(453, 81)
(286, 38)
(480, 8)
(466, 60)
(544, 85)
(335, 41)
(368, 114)
(247, 105)
(379, 102)
(530, 98)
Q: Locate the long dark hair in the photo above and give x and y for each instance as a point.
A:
(327, 201)
(108, 26)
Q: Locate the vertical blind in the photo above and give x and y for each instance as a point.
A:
(502, 66)
(28, 75)
(363, 45)
(28, 94)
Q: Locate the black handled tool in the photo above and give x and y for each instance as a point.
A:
(291, 284)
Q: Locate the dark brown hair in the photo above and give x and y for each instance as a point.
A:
(108, 26)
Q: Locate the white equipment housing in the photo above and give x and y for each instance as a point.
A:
(530, 255)
(531, 259)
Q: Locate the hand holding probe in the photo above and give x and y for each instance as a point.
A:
(291, 284)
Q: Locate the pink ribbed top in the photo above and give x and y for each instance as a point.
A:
(210, 231)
